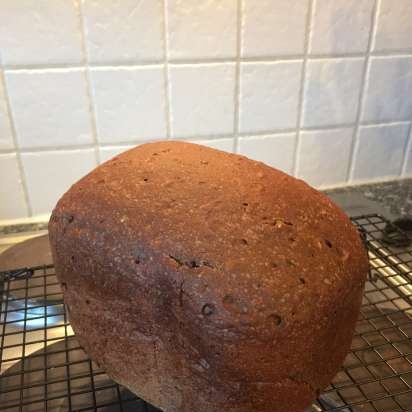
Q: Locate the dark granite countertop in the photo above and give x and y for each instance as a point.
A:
(390, 199)
(24, 227)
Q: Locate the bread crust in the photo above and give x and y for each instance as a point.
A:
(206, 281)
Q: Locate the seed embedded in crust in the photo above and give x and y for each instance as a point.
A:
(208, 309)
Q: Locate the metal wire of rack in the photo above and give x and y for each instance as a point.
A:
(43, 367)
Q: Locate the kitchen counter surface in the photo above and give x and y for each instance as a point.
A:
(391, 199)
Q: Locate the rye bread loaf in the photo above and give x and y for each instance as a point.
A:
(205, 281)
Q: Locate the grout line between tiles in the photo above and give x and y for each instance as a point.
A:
(89, 91)
(166, 73)
(126, 63)
(130, 64)
(203, 61)
(80, 66)
(325, 127)
(384, 123)
(299, 120)
(236, 116)
(407, 149)
(40, 68)
(8, 151)
(292, 57)
(364, 85)
(126, 66)
(55, 148)
(15, 143)
(268, 133)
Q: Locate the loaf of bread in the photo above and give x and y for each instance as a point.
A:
(208, 282)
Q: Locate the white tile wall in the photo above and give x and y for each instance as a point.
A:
(276, 151)
(380, 151)
(269, 95)
(202, 99)
(12, 204)
(6, 137)
(40, 32)
(202, 28)
(394, 26)
(270, 29)
(318, 88)
(129, 103)
(332, 18)
(49, 174)
(408, 157)
(124, 31)
(332, 89)
(49, 107)
(324, 156)
(389, 89)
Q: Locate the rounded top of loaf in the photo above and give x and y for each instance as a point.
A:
(231, 246)
(217, 214)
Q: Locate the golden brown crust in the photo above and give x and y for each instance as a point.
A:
(205, 281)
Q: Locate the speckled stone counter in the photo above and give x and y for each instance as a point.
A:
(24, 227)
(391, 199)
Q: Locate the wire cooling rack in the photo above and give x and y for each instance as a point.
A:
(43, 367)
